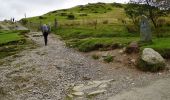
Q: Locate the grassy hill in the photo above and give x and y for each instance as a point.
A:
(97, 26)
(83, 12)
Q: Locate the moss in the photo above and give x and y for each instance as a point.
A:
(144, 66)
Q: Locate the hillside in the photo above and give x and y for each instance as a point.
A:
(83, 12)
(98, 26)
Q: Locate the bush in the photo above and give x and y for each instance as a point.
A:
(41, 17)
(108, 59)
(117, 5)
(63, 14)
(95, 12)
(24, 21)
(83, 14)
(142, 65)
(109, 9)
(71, 17)
(168, 23)
(54, 12)
(161, 22)
(164, 52)
(131, 29)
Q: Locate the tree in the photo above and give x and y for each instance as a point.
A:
(151, 8)
(134, 11)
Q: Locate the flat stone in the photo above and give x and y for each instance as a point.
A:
(103, 86)
(78, 93)
(70, 96)
(78, 88)
(96, 92)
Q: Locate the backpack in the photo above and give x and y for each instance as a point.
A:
(45, 28)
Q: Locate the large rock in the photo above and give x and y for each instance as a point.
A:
(151, 60)
(145, 30)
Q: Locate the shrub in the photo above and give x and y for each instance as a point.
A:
(105, 22)
(109, 9)
(83, 14)
(108, 59)
(71, 17)
(161, 22)
(168, 23)
(164, 52)
(131, 29)
(117, 5)
(63, 14)
(41, 17)
(54, 12)
(95, 12)
(24, 21)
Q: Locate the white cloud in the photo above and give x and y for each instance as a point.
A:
(17, 8)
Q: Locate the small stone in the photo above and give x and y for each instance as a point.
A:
(103, 86)
(133, 83)
(159, 73)
(78, 93)
(78, 88)
(121, 51)
(133, 61)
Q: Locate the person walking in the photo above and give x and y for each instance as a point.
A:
(45, 30)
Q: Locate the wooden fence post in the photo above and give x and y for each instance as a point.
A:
(55, 23)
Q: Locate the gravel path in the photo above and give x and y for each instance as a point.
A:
(50, 72)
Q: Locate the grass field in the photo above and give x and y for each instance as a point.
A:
(11, 42)
(99, 26)
(9, 36)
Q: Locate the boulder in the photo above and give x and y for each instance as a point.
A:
(151, 60)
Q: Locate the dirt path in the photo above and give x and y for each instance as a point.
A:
(160, 90)
(52, 73)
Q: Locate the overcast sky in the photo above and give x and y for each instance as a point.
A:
(17, 8)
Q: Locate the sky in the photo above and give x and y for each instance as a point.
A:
(18, 8)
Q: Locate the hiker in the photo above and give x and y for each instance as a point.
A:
(45, 30)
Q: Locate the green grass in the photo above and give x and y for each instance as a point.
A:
(12, 42)
(9, 36)
(108, 59)
(81, 32)
(90, 44)
(113, 28)
(160, 43)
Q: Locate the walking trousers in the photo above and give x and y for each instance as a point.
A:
(45, 34)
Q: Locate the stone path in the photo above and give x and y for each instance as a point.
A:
(55, 72)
